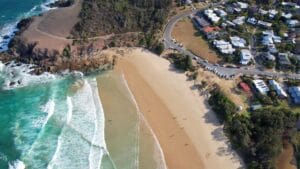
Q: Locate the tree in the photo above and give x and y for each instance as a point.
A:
(159, 48)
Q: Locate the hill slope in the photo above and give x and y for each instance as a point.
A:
(100, 17)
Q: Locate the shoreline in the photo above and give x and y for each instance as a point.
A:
(177, 116)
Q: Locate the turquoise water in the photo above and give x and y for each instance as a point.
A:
(50, 121)
(24, 129)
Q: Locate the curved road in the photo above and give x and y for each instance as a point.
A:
(219, 70)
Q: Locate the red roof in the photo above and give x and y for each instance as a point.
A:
(245, 87)
(209, 29)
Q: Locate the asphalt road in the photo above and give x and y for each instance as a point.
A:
(219, 70)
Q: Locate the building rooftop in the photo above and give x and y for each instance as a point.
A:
(295, 94)
(246, 56)
(239, 20)
(238, 42)
(201, 21)
(209, 29)
(283, 59)
(279, 90)
(261, 86)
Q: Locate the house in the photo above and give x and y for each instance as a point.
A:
(229, 9)
(264, 24)
(211, 16)
(268, 56)
(239, 20)
(286, 15)
(270, 38)
(295, 94)
(261, 86)
(272, 48)
(279, 90)
(267, 40)
(252, 21)
(263, 12)
(292, 23)
(284, 60)
(230, 23)
(201, 21)
(211, 32)
(245, 87)
(242, 5)
(246, 57)
(237, 10)
(272, 13)
(237, 41)
(290, 4)
(220, 12)
(224, 46)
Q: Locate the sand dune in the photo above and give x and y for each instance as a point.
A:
(189, 133)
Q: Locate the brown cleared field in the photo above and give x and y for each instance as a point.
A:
(286, 159)
(185, 32)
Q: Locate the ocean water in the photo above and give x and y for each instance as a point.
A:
(50, 121)
(72, 121)
(12, 11)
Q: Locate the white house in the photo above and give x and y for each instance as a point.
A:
(292, 23)
(237, 41)
(272, 13)
(279, 90)
(242, 5)
(239, 20)
(286, 15)
(220, 12)
(212, 16)
(224, 46)
(246, 56)
(263, 12)
(252, 21)
(261, 86)
(264, 24)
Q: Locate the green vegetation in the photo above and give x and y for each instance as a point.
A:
(182, 62)
(100, 17)
(224, 107)
(258, 137)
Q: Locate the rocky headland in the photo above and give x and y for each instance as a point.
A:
(72, 35)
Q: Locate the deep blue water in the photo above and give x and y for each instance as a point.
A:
(13, 10)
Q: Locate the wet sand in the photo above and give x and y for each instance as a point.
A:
(129, 141)
(188, 132)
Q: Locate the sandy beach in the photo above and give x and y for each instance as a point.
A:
(188, 132)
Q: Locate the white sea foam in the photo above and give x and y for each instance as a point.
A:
(81, 143)
(49, 109)
(70, 109)
(19, 75)
(17, 165)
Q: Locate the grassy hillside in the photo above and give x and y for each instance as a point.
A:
(100, 17)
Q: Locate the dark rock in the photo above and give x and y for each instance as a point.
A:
(6, 37)
(12, 83)
(61, 4)
(24, 23)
